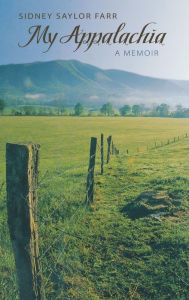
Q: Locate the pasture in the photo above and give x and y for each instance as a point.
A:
(131, 243)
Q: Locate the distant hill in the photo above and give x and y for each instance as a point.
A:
(42, 82)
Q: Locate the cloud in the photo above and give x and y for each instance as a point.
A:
(101, 76)
(34, 96)
(93, 97)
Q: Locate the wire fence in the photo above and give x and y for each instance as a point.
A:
(57, 217)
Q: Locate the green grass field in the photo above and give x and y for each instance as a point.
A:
(132, 243)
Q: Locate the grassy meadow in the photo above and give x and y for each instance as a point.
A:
(132, 242)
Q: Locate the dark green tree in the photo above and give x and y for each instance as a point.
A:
(179, 112)
(185, 113)
(107, 109)
(2, 105)
(124, 110)
(78, 109)
(163, 110)
(136, 109)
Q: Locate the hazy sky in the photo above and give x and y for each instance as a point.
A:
(171, 16)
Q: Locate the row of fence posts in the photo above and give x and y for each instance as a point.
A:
(92, 156)
(175, 139)
(162, 144)
(22, 168)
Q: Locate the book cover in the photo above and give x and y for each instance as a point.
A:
(94, 118)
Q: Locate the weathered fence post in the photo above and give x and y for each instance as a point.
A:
(109, 139)
(90, 175)
(22, 181)
(102, 153)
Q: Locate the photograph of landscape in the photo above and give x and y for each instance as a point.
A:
(94, 150)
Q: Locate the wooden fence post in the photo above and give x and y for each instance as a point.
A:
(90, 175)
(22, 181)
(109, 139)
(102, 154)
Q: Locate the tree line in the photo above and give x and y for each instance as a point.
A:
(136, 110)
(107, 109)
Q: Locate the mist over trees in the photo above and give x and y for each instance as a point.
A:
(59, 107)
(107, 109)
